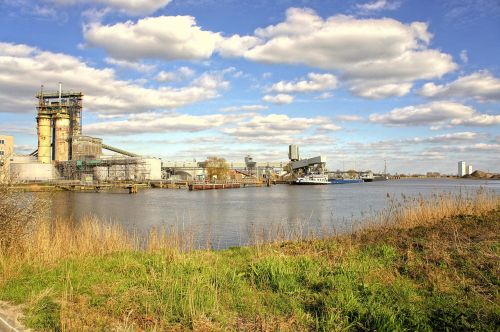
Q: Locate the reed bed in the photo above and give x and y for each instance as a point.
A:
(408, 212)
(402, 212)
(26, 236)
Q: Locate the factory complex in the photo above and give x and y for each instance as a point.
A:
(65, 156)
(63, 153)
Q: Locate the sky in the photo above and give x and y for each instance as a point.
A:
(415, 83)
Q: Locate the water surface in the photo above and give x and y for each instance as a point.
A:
(227, 217)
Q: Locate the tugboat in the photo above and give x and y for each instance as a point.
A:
(312, 179)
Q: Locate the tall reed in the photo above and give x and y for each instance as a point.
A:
(409, 212)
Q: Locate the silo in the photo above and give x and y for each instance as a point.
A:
(44, 138)
(101, 173)
(62, 138)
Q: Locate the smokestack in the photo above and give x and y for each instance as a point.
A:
(60, 92)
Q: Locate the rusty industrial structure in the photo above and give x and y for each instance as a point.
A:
(65, 154)
(59, 118)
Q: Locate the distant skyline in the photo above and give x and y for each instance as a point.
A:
(416, 83)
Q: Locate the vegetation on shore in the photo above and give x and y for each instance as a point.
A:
(421, 265)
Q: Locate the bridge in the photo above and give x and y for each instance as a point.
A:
(189, 170)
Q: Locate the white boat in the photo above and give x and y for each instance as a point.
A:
(312, 179)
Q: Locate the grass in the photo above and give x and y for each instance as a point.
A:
(421, 265)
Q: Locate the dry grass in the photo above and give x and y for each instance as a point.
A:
(400, 212)
(47, 242)
(409, 212)
(18, 213)
(25, 236)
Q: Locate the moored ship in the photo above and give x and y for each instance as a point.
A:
(345, 181)
(312, 179)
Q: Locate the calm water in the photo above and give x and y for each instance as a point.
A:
(227, 217)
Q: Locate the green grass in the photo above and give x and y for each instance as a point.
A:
(443, 277)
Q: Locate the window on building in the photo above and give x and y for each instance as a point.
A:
(1, 153)
(2, 141)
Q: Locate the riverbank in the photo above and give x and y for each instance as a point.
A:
(430, 264)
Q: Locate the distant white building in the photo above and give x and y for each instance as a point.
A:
(6, 150)
(469, 169)
(462, 168)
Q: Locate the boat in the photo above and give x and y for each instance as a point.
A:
(366, 176)
(344, 181)
(381, 177)
(311, 179)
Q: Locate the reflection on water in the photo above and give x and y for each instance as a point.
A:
(227, 217)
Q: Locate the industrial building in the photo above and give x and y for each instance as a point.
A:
(6, 150)
(63, 153)
(299, 167)
(193, 170)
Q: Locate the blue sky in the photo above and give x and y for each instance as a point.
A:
(416, 83)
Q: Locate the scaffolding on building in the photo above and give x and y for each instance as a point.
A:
(62, 102)
(112, 169)
(59, 116)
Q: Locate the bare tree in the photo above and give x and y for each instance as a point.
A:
(18, 212)
(216, 167)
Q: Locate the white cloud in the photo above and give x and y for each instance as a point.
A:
(277, 128)
(267, 75)
(487, 147)
(480, 85)
(246, 108)
(478, 120)
(347, 117)
(371, 90)
(15, 50)
(446, 138)
(338, 41)
(162, 37)
(378, 5)
(137, 66)
(463, 56)
(236, 45)
(24, 68)
(437, 114)
(157, 123)
(372, 54)
(325, 95)
(316, 83)
(180, 74)
(132, 7)
(327, 128)
(28, 7)
(279, 99)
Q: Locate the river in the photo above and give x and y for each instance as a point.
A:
(224, 218)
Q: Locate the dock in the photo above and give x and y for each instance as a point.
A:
(194, 186)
